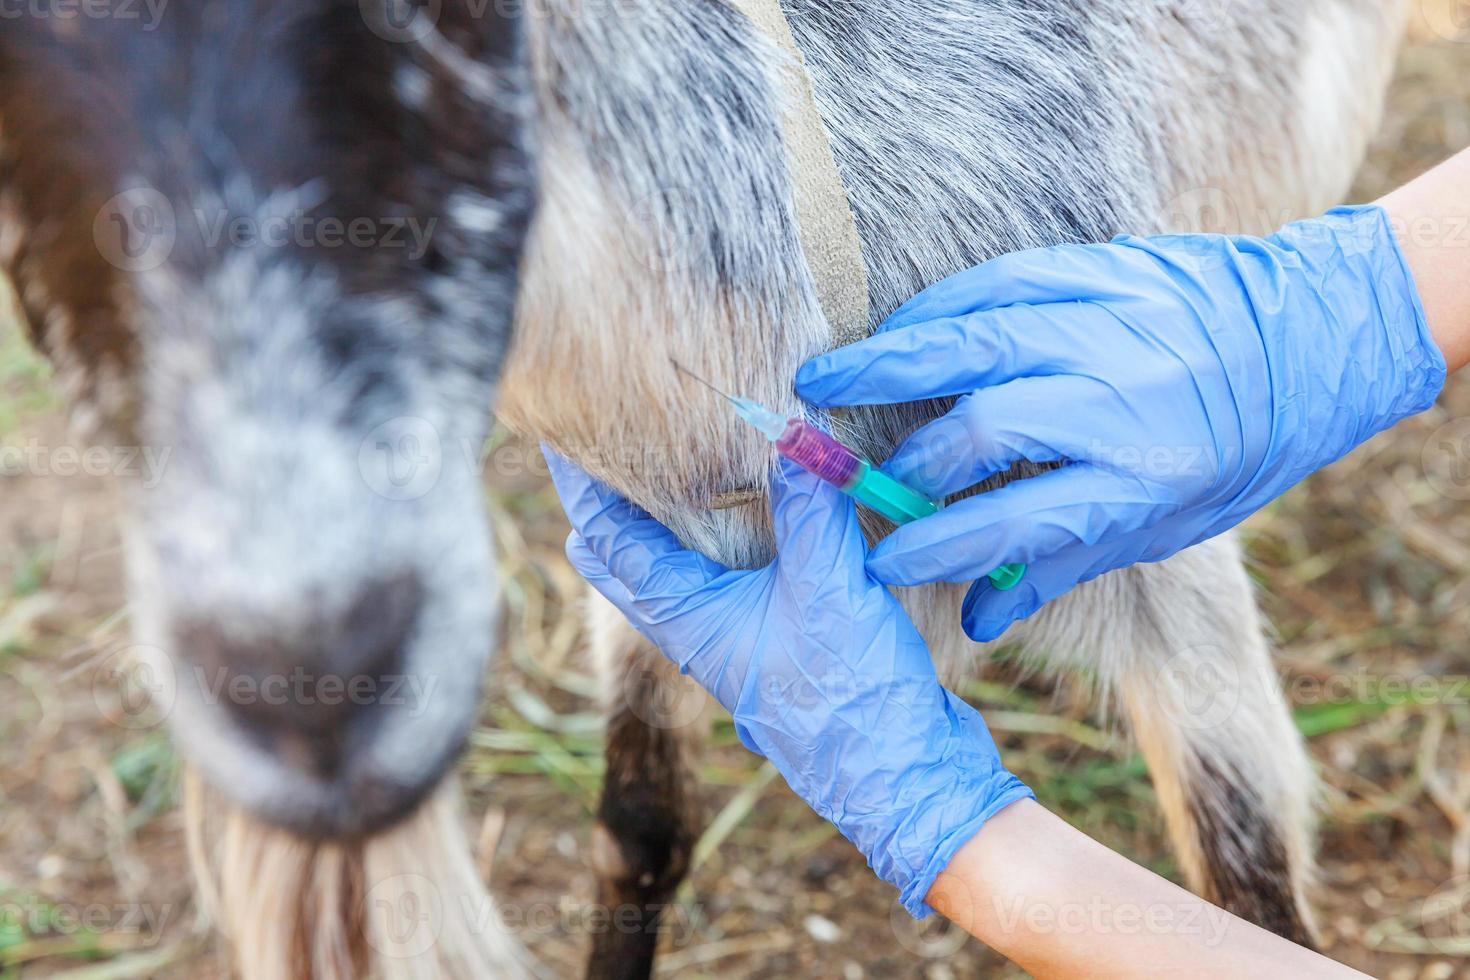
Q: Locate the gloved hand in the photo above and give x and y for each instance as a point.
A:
(1187, 380)
(818, 664)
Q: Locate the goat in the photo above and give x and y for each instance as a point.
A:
(177, 199)
(610, 173)
(962, 130)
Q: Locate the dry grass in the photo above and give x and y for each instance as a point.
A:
(1364, 573)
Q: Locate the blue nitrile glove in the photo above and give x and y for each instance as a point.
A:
(818, 664)
(1188, 380)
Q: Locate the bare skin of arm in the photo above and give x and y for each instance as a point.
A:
(1060, 904)
(1431, 217)
(1035, 889)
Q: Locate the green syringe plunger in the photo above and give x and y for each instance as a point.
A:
(818, 453)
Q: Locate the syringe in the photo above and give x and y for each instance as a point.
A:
(823, 456)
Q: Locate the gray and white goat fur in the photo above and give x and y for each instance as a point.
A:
(610, 174)
(962, 130)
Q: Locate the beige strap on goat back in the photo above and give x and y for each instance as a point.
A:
(829, 235)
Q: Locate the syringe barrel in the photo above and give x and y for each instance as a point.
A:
(818, 453)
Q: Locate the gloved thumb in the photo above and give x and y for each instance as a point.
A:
(816, 524)
(988, 612)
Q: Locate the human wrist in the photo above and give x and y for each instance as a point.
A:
(1003, 857)
(1409, 335)
(1348, 279)
(999, 792)
(1428, 217)
(940, 805)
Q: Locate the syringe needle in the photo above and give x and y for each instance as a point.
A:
(817, 452)
(680, 367)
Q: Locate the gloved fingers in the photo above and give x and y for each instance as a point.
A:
(991, 430)
(637, 550)
(594, 570)
(1027, 521)
(954, 355)
(582, 497)
(816, 524)
(1057, 274)
(988, 612)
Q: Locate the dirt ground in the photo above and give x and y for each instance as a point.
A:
(1365, 574)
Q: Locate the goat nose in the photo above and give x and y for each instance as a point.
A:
(310, 689)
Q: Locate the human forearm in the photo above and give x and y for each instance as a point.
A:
(1431, 219)
(1061, 905)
